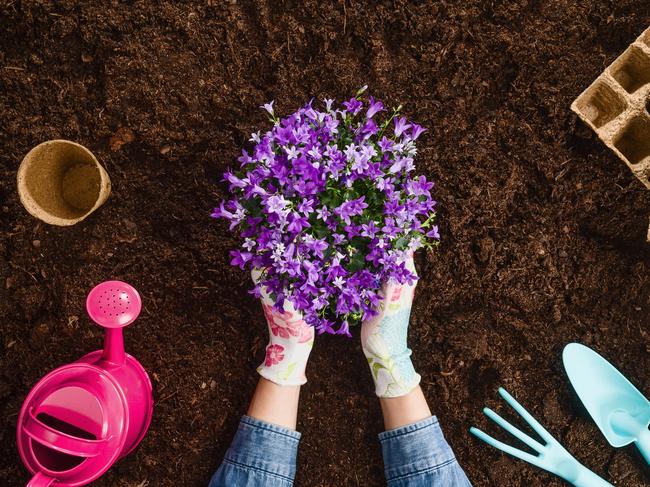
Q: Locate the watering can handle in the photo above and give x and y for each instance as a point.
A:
(57, 440)
(40, 480)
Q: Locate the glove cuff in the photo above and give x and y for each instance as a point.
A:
(394, 376)
(283, 375)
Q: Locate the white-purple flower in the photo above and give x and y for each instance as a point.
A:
(276, 204)
(268, 107)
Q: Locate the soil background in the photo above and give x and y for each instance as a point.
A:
(543, 228)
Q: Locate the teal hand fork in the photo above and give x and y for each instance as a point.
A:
(551, 457)
(619, 410)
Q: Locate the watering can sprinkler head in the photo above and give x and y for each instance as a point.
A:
(113, 305)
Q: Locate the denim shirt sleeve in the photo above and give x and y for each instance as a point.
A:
(261, 454)
(417, 455)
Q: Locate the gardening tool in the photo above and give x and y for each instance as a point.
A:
(618, 408)
(61, 182)
(552, 456)
(82, 417)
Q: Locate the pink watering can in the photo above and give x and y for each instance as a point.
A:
(81, 418)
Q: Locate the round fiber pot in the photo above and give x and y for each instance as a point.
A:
(61, 182)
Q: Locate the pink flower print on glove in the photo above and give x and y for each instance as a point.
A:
(287, 324)
(290, 342)
(274, 355)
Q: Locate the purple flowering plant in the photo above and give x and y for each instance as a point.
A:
(328, 208)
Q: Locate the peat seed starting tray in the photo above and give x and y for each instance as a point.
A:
(617, 107)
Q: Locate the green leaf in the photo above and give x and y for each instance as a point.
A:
(401, 243)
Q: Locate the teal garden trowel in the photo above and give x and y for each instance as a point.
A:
(618, 408)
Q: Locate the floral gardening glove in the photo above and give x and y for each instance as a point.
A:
(383, 338)
(290, 342)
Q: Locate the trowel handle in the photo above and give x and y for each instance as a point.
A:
(40, 480)
(587, 478)
(643, 444)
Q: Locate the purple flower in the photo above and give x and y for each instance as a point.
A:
(369, 128)
(268, 107)
(338, 238)
(234, 181)
(416, 131)
(385, 144)
(352, 230)
(329, 209)
(292, 152)
(433, 233)
(239, 258)
(401, 164)
(375, 106)
(353, 106)
(351, 208)
(306, 206)
(369, 229)
(400, 126)
(318, 247)
(297, 223)
(276, 204)
(323, 213)
(344, 329)
(221, 212)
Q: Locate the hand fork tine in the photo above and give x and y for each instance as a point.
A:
(552, 456)
(499, 445)
(539, 429)
(520, 435)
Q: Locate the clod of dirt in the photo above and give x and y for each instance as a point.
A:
(484, 249)
(554, 413)
(124, 135)
(39, 336)
(5, 390)
(31, 301)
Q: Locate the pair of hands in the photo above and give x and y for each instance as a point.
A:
(383, 339)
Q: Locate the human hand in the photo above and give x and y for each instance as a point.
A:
(290, 342)
(384, 340)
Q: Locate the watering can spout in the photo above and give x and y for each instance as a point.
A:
(114, 346)
(40, 480)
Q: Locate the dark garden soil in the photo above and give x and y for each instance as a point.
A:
(543, 228)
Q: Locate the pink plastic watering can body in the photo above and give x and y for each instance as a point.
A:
(82, 417)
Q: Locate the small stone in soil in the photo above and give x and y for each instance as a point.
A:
(129, 224)
(38, 335)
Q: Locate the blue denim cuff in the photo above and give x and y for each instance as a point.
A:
(259, 445)
(415, 449)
